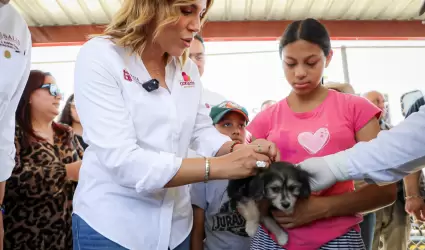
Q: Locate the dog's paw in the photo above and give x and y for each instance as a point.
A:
(251, 228)
(282, 238)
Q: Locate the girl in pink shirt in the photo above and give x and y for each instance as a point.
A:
(312, 122)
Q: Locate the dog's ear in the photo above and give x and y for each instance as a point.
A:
(256, 187)
(304, 178)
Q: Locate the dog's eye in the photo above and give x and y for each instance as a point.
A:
(291, 188)
(275, 189)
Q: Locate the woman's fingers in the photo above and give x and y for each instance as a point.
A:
(260, 157)
(260, 149)
(260, 161)
(266, 147)
(277, 156)
(273, 151)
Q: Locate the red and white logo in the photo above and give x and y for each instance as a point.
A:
(187, 81)
(127, 76)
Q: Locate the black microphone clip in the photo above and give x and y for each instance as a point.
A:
(151, 85)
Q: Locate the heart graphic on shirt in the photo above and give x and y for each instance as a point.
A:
(313, 143)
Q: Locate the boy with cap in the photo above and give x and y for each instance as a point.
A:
(216, 226)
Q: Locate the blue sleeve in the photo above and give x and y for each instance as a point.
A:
(198, 195)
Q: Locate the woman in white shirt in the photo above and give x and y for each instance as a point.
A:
(133, 192)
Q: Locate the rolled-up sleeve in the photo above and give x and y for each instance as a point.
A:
(108, 127)
(388, 158)
(206, 140)
(8, 103)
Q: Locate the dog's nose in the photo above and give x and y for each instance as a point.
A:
(285, 204)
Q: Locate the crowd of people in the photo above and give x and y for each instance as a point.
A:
(141, 154)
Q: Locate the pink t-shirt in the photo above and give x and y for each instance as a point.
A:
(329, 128)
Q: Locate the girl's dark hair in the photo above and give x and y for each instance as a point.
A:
(309, 30)
(23, 111)
(65, 117)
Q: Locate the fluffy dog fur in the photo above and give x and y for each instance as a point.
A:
(281, 185)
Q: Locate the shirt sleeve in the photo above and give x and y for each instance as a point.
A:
(108, 127)
(206, 140)
(7, 116)
(198, 195)
(361, 111)
(259, 127)
(388, 158)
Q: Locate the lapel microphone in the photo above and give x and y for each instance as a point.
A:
(151, 85)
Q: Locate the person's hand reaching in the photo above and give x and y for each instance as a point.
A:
(243, 162)
(321, 176)
(273, 151)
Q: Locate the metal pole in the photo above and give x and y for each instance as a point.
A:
(345, 64)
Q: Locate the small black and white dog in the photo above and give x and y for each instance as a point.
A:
(281, 185)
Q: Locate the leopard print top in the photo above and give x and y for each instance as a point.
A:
(38, 196)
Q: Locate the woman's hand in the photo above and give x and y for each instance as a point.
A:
(305, 212)
(274, 153)
(241, 163)
(415, 206)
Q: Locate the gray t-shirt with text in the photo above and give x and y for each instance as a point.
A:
(224, 228)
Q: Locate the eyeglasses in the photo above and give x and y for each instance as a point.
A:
(53, 89)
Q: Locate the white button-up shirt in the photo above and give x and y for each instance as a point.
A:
(15, 65)
(392, 155)
(137, 140)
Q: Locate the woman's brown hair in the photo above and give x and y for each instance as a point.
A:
(23, 112)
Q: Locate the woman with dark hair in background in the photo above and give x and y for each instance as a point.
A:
(70, 117)
(47, 162)
(315, 121)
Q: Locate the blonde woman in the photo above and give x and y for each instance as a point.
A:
(139, 102)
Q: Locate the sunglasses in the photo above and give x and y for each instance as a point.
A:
(53, 89)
